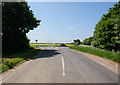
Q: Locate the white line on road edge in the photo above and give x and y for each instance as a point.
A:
(63, 65)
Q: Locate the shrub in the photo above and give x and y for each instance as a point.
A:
(4, 67)
(11, 62)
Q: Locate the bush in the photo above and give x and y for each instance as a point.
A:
(11, 62)
(77, 42)
(88, 41)
(4, 67)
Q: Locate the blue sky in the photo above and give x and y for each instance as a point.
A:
(62, 22)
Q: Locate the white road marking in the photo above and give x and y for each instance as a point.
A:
(63, 66)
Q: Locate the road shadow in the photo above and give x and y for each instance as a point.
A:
(25, 54)
(46, 54)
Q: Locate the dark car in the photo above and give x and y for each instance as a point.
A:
(38, 45)
(63, 45)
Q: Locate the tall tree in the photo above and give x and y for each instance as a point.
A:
(17, 20)
(107, 30)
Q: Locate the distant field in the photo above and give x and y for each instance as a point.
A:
(47, 44)
(115, 56)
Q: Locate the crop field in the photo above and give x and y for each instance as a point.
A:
(49, 44)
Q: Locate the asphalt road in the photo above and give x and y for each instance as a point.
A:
(61, 65)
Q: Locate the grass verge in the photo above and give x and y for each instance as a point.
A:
(115, 56)
(9, 61)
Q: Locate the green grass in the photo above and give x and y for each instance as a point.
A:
(11, 60)
(115, 56)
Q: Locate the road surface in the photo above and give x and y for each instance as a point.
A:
(61, 65)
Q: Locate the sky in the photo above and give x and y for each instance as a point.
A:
(62, 22)
(69, 0)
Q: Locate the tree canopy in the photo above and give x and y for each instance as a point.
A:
(107, 30)
(17, 20)
(77, 42)
(88, 41)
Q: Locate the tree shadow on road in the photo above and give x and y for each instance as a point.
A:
(47, 54)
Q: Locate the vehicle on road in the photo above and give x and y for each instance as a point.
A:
(39, 45)
(63, 45)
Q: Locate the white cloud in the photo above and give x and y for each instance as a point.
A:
(71, 27)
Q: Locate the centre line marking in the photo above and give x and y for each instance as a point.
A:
(63, 66)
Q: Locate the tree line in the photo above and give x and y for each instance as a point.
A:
(17, 21)
(107, 31)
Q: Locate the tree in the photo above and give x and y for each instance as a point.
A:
(17, 20)
(88, 41)
(77, 42)
(107, 30)
(36, 40)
